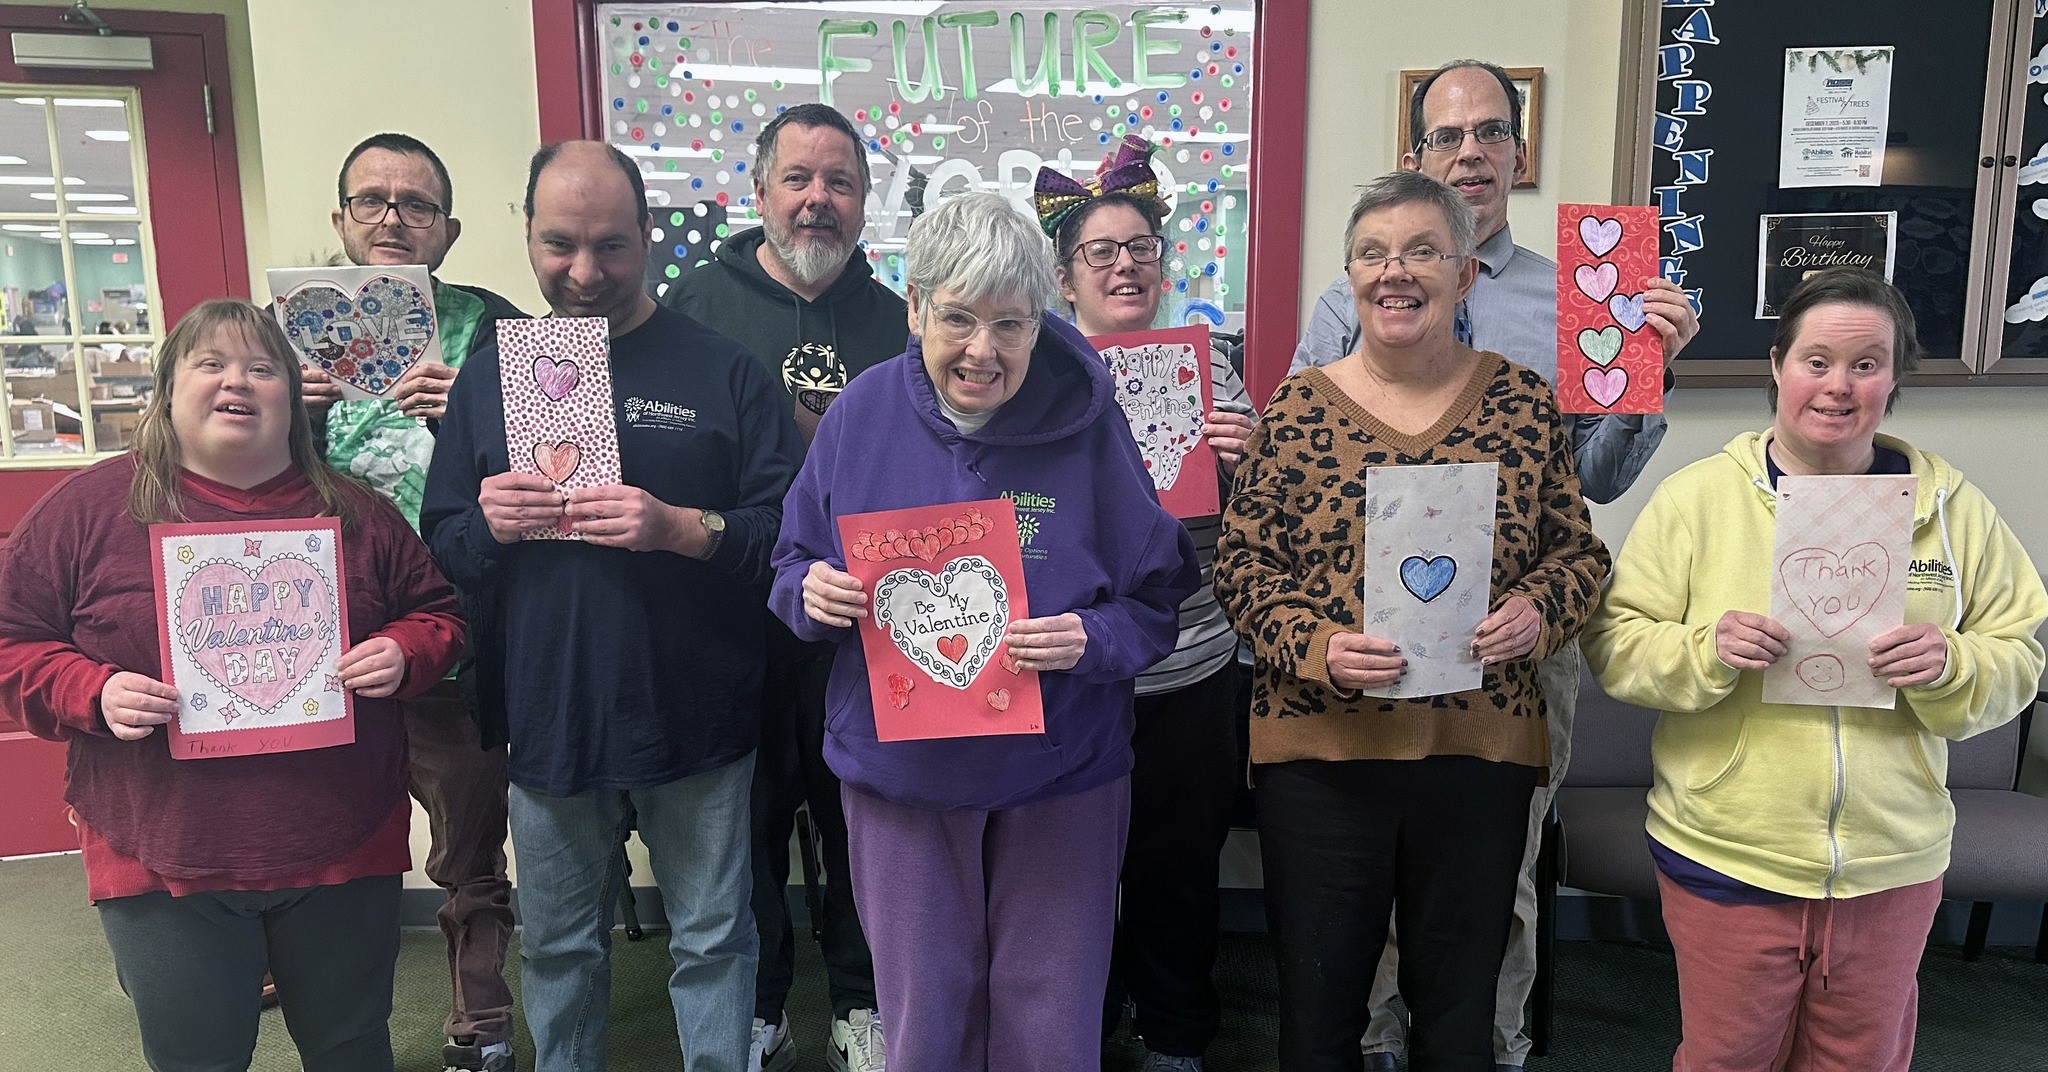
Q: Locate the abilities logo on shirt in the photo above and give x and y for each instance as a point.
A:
(1929, 575)
(654, 413)
(1034, 512)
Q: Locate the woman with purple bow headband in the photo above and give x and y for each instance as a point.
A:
(1108, 251)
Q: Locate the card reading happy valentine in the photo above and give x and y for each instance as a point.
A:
(1838, 580)
(1609, 358)
(945, 584)
(1163, 384)
(250, 623)
(1429, 569)
(559, 423)
(362, 326)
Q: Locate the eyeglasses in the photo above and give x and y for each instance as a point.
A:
(1445, 139)
(1419, 259)
(1101, 253)
(955, 324)
(371, 211)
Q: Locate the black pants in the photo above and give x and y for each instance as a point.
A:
(194, 968)
(1181, 793)
(790, 770)
(1437, 839)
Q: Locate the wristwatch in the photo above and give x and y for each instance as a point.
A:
(714, 526)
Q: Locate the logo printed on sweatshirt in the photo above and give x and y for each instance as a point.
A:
(1034, 512)
(1929, 575)
(654, 413)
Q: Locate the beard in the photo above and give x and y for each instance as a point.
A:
(811, 259)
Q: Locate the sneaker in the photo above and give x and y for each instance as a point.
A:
(857, 1043)
(1164, 1062)
(464, 1054)
(771, 1051)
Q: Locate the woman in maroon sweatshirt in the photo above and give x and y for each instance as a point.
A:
(209, 872)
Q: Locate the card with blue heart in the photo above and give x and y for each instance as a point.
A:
(1429, 568)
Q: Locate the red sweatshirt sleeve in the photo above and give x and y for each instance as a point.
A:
(46, 682)
(427, 621)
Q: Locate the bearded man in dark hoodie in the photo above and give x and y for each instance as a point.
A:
(798, 294)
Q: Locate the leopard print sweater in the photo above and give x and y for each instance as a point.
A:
(1289, 570)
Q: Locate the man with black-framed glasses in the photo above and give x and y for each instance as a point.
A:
(394, 203)
(1469, 118)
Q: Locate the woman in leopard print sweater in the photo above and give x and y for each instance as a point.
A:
(1419, 804)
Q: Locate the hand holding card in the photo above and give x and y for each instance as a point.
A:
(559, 426)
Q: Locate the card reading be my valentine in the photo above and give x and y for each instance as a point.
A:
(559, 419)
(1163, 385)
(363, 326)
(250, 622)
(1429, 569)
(1838, 580)
(946, 582)
(1609, 358)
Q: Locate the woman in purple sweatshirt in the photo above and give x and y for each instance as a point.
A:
(986, 867)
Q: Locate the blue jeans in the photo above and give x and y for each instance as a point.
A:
(695, 830)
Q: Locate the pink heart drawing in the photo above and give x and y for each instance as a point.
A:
(1596, 283)
(1835, 591)
(559, 462)
(256, 634)
(953, 647)
(1600, 236)
(555, 378)
(1606, 385)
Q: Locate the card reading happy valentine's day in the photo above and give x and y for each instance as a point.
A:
(250, 623)
(946, 582)
(1838, 580)
(363, 326)
(1609, 358)
(1163, 385)
(557, 380)
(1429, 569)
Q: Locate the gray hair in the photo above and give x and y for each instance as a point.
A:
(1405, 187)
(978, 246)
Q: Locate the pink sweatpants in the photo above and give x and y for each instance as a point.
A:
(1809, 986)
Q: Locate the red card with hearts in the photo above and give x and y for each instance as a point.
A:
(556, 375)
(365, 327)
(250, 622)
(1609, 358)
(1163, 384)
(944, 584)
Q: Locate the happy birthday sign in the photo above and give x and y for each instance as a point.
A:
(555, 374)
(250, 625)
(1609, 360)
(365, 327)
(1429, 569)
(1838, 580)
(946, 582)
(1163, 386)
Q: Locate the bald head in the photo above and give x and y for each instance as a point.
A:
(587, 232)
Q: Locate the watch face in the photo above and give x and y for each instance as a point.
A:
(714, 521)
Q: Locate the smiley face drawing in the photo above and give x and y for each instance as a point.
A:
(1821, 673)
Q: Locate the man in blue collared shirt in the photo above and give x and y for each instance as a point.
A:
(1468, 123)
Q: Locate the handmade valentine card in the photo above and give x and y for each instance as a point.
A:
(944, 582)
(363, 326)
(1429, 569)
(1609, 358)
(1838, 579)
(557, 382)
(1163, 385)
(250, 623)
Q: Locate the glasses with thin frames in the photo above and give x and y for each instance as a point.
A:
(1101, 253)
(954, 324)
(370, 211)
(1419, 259)
(1445, 139)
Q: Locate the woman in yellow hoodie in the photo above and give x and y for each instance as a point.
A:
(1801, 849)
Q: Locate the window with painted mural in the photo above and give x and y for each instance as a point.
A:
(950, 97)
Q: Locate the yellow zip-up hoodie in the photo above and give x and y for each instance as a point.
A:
(1809, 801)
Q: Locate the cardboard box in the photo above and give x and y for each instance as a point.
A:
(34, 422)
(114, 429)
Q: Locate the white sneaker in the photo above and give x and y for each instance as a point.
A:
(857, 1043)
(771, 1051)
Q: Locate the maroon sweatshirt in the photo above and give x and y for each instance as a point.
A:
(78, 604)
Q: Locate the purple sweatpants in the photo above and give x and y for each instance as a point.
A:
(990, 929)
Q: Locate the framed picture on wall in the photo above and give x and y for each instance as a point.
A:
(1528, 80)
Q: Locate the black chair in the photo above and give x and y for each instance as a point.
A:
(2000, 850)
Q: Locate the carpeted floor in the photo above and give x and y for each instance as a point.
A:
(60, 1009)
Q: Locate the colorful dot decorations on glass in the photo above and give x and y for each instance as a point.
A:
(960, 97)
